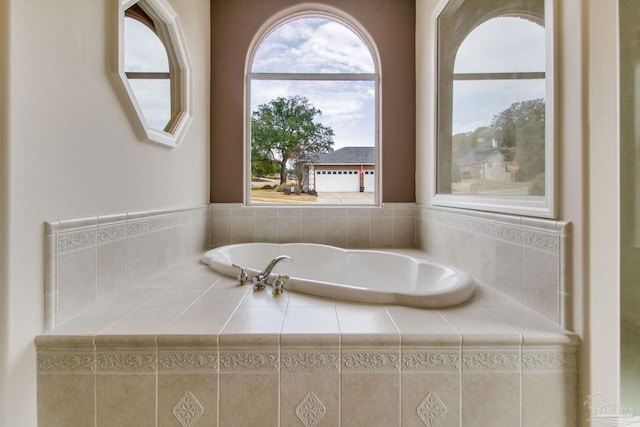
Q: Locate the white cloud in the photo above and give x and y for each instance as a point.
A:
(143, 50)
(154, 99)
(320, 45)
(347, 107)
(503, 44)
(313, 45)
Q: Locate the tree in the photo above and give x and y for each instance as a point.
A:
(522, 126)
(283, 130)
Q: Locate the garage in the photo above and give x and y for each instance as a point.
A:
(337, 180)
(343, 171)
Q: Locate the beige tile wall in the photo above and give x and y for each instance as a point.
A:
(253, 381)
(525, 258)
(392, 225)
(91, 261)
(234, 357)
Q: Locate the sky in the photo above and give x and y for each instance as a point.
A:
(320, 45)
(143, 51)
(505, 44)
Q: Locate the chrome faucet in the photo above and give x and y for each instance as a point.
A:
(262, 279)
(264, 275)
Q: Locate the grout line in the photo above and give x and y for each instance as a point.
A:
(95, 298)
(218, 380)
(339, 368)
(521, 381)
(95, 384)
(460, 394)
(157, 380)
(184, 310)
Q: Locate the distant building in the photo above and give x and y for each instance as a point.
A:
(349, 169)
(485, 163)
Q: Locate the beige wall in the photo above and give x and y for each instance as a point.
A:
(73, 152)
(4, 205)
(602, 259)
(391, 24)
(587, 150)
(630, 160)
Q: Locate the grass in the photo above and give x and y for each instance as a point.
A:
(493, 187)
(272, 196)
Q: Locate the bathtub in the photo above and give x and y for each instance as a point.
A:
(356, 275)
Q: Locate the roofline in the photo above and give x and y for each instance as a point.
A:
(342, 164)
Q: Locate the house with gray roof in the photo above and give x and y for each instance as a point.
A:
(486, 163)
(348, 169)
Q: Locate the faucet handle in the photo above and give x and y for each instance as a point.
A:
(278, 284)
(242, 276)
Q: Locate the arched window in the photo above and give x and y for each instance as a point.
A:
(494, 137)
(312, 102)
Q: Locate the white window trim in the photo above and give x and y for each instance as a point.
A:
(312, 10)
(537, 206)
(170, 31)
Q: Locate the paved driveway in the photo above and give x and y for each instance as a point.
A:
(366, 198)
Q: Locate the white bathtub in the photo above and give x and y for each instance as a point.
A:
(355, 275)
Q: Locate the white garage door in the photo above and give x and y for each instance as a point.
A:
(369, 181)
(337, 181)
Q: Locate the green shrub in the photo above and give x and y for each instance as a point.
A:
(537, 185)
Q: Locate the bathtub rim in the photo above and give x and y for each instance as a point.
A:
(458, 293)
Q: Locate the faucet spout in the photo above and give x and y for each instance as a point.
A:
(264, 275)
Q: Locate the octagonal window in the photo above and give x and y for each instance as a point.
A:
(154, 70)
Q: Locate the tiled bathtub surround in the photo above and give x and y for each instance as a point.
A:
(524, 258)
(141, 333)
(90, 261)
(228, 356)
(389, 226)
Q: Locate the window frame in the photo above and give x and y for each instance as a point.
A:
(169, 31)
(314, 11)
(536, 206)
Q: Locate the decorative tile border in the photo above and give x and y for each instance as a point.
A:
(432, 360)
(378, 360)
(186, 361)
(509, 234)
(537, 234)
(66, 362)
(310, 361)
(71, 241)
(111, 233)
(126, 362)
(539, 240)
(249, 361)
(549, 361)
(490, 360)
(370, 360)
